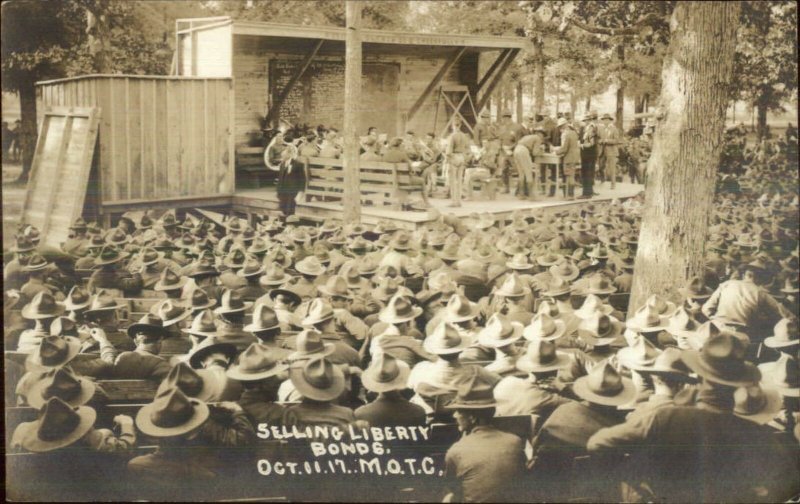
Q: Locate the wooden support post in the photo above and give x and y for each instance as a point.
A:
(435, 82)
(352, 101)
(276, 105)
(496, 79)
(490, 71)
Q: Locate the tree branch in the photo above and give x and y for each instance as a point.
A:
(646, 20)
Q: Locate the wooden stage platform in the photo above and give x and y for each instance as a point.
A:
(265, 200)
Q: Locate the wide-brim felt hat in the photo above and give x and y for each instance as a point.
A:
(326, 350)
(265, 281)
(208, 346)
(221, 310)
(261, 314)
(286, 292)
(42, 308)
(530, 332)
(582, 389)
(328, 387)
(373, 381)
(257, 362)
(399, 309)
(574, 272)
(768, 403)
(23, 245)
(737, 374)
(148, 329)
(554, 290)
(485, 338)
(29, 432)
(115, 258)
(614, 337)
(548, 260)
(313, 269)
(144, 420)
(237, 373)
(244, 273)
(559, 361)
(781, 374)
(160, 286)
(71, 348)
(694, 294)
(461, 403)
(437, 344)
(36, 399)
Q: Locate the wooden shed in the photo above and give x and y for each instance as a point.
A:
(161, 140)
(296, 73)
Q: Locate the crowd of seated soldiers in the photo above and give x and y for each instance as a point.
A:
(462, 322)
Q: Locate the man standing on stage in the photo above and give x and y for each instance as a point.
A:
(484, 129)
(588, 154)
(508, 132)
(525, 152)
(609, 140)
(570, 151)
(291, 180)
(455, 155)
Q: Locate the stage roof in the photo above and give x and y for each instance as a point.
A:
(289, 35)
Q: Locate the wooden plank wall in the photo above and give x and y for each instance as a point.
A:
(55, 194)
(160, 138)
(251, 63)
(214, 45)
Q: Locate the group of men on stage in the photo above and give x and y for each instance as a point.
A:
(582, 147)
(587, 149)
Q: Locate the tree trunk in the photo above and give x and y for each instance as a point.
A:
(573, 104)
(588, 103)
(352, 105)
(538, 74)
(558, 96)
(646, 102)
(28, 133)
(638, 108)
(682, 168)
(519, 100)
(761, 113)
(621, 88)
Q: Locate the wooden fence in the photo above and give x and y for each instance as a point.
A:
(160, 138)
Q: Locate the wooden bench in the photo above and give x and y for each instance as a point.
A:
(380, 183)
(77, 473)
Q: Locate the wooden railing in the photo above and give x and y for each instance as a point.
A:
(380, 183)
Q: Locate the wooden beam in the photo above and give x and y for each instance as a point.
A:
(488, 74)
(351, 202)
(454, 57)
(496, 79)
(290, 85)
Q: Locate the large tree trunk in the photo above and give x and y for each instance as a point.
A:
(352, 106)
(682, 168)
(519, 100)
(621, 87)
(538, 73)
(761, 113)
(28, 134)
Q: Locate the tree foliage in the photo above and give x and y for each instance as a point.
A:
(36, 40)
(389, 14)
(766, 54)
